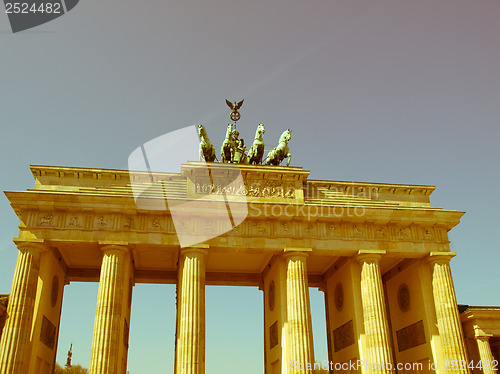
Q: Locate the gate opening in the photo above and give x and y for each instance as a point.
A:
(234, 330)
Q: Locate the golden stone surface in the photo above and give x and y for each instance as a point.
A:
(248, 226)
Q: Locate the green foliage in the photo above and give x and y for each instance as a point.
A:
(76, 369)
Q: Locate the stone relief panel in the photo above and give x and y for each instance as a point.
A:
(48, 333)
(381, 232)
(102, 221)
(429, 234)
(343, 336)
(308, 229)
(155, 223)
(403, 233)
(333, 230)
(74, 221)
(285, 228)
(259, 228)
(273, 335)
(251, 188)
(358, 232)
(411, 336)
(128, 223)
(46, 220)
(238, 230)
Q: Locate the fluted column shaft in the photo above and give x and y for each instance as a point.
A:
(445, 303)
(190, 345)
(485, 354)
(107, 325)
(299, 327)
(15, 344)
(379, 351)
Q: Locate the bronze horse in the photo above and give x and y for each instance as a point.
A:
(227, 149)
(280, 152)
(207, 150)
(257, 150)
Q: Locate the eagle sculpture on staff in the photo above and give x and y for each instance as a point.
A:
(235, 115)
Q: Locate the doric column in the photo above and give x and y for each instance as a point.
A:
(379, 352)
(190, 340)
(445, 303)
(485, 353)
(299, 327)
(110, 298)
(15, 345)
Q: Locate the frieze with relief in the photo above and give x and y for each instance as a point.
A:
(328, 230)
(269, 189)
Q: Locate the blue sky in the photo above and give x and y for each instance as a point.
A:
(383, 91)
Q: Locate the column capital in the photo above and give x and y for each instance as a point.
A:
(296, 252)
(369, 255)
(115, 246)
(485, 353)
(440, 257)
(483, 338)
(36, 247)
(198, 248)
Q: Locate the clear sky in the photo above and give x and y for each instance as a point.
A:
(374, 90)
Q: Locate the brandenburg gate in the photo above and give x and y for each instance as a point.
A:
(380, 252)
